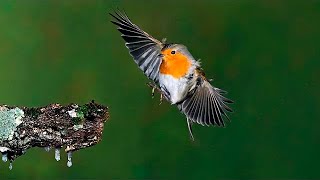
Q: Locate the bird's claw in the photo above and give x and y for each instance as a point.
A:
(155, 87)
(152, 93)
(163, 94)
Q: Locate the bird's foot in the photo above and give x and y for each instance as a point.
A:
(156, 88)
(152, 92)
(161, 99)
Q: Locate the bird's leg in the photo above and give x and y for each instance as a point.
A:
(162, 93)
(154, 87)
(152, 92)
(161, 99)
(189, 123)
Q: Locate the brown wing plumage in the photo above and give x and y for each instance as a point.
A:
(206, 104)
(144, 49)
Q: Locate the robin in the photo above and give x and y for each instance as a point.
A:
(175, 74)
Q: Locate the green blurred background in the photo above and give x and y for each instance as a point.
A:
(264, 53)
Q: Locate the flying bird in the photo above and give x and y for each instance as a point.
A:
(176, 74)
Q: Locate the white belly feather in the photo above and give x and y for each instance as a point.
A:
(177, 88)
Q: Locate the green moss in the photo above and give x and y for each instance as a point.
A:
(9, 120)
(77, 120)
(83, 111)
(77, 123)
(80, 114)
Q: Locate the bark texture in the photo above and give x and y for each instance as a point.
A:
(54, 126)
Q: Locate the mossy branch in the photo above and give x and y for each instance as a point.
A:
(54, 126)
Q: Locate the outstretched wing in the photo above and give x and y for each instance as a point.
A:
(144, 49)
(206, 104)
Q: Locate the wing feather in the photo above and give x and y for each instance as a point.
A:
(206, 105)
(144, 49)
(203, 109)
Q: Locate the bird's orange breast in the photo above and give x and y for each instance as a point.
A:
(176, 65)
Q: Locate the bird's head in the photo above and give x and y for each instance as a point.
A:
(174, 51)
(176, 60)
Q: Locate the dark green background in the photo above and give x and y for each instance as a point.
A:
(264, 53)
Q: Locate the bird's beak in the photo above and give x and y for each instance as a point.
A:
(160, 55)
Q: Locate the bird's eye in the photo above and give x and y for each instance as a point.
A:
(173, 52)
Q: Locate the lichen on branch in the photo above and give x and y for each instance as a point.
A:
(54, 126)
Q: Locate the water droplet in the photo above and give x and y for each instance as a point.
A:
(57, 154)
(10, 166)
(4, 157)
(69, 163)
(47, 148)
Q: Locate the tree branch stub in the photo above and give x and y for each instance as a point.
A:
(54, 126)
